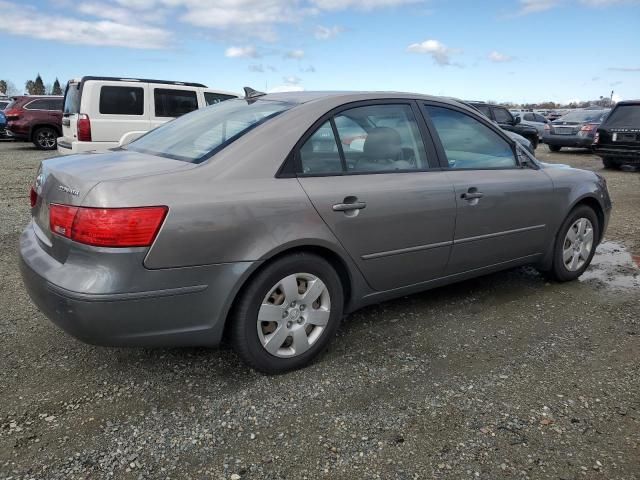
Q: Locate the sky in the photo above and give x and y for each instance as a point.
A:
(508, 50)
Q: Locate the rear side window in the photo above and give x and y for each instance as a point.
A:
(121, 100)
(468, 143)
(625, 116)
(37, 105)
(174, 103)
(54, 104)
(529, 117)
(213, 98)
(72, 98)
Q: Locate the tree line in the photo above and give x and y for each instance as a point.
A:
(31, 87)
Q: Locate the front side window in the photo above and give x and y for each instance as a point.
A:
(121, 100)
(529, 117)
(195, 137)
(174, 103)
(468, 144)
(212, 98)
(502, 115)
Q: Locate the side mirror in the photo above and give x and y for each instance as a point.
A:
(516, 120)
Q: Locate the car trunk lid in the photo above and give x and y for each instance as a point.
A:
(67, 180)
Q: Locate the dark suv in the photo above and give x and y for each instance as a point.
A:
(503, 117)
(35, 118)
(617, 140)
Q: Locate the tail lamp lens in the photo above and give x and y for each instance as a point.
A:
(33, 197)
(12, 113)
(596, 138)
(107, 227)
(587, 128)
(84, 128)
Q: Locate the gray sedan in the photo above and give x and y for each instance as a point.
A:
(267, 219)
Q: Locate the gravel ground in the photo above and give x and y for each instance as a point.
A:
(505, 376)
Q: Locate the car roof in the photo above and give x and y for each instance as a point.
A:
(131, 79)
(347, 96)
(628, 102)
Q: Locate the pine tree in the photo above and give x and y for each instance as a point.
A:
(56, 90)
(30, 87)
(3, 87)
(38, 86)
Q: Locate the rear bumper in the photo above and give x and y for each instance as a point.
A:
(65, 147)
(624, 155)
(568, 141)
(172, 307)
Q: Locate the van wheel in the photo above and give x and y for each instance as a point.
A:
(288, 313)
(45, 138)
(575, 244)
(610, 163)
(554, 148)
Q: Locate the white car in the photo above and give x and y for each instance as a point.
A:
(101, 113)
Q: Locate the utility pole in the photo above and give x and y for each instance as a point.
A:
(611, 99)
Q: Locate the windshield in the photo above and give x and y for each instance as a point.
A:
(198, 135)
(72, 98)
(625, 116)
(583, 116)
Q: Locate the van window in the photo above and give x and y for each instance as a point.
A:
(121, 100)
(173, 103)
(213, 98)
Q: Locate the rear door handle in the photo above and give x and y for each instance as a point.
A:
(349, 204)
(472, 195)
(346, 207)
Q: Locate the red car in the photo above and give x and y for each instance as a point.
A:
(36, 118)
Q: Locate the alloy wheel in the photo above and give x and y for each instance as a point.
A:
(578, 243)
(293, 315)
(46, 138)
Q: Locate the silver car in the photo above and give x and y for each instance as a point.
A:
(267, 219)
(535, 120)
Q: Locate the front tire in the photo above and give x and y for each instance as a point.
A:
(554, 148)
(288, 313)
(575, 244)
(45, 138)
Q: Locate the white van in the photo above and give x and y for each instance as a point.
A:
(100, 113)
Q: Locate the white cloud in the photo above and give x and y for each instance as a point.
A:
(498, 57)
(440, 53)
(295, 54)
(29, 22)
(535, 6)
(607, 3)
(361, 4)
(624, 69)
(241, 52)
(327, 33)
(291, 80)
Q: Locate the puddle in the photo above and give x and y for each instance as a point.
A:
(614, 267)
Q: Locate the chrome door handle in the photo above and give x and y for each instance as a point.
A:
(347, 207)
(471, 195)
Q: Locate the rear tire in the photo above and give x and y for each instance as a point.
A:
(45, 138)
(554, 148)
(610, 163)
(575, 244)
(287, 314)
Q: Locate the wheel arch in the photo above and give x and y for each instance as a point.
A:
(596, 206)
(34, 128)
(334, 258)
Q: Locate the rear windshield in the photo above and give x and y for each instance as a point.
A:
(72, 98)
(584, 116)
(625, 116)
(198, 135)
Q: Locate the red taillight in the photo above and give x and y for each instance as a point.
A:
(33, 197)
(596, 139)
(107, 227)
(12, 113)
(84, 128)
(588, 128)
(547, 127)
(61, 219)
